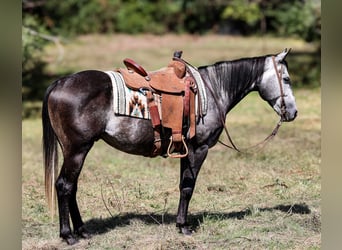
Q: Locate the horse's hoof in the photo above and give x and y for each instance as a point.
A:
(70, 240)
(85, 235)
(186, 231)
(82, 232)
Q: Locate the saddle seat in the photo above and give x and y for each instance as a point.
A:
(177, 91)
(166, 80)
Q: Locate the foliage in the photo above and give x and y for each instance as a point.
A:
(299, 18)
(201, 16)
(284, 18)
(81, 17)
(72, 17)
(305, 69)
(243, 10)
(32, 46)
(145, 16)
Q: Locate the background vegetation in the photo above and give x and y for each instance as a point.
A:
(56, 22)
(72, 17)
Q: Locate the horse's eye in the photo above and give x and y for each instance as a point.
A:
(286, 79)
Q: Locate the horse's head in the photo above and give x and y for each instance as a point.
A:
(275, 87)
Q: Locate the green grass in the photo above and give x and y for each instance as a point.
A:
(265, 199)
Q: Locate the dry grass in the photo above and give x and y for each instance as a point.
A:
(154, 52)
(267, 199)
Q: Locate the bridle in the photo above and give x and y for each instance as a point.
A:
(275, 130)
(282, 95)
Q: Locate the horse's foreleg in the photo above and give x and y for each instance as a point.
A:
(66, 186)
(190, 167)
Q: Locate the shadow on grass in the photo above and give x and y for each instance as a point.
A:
(101, 226)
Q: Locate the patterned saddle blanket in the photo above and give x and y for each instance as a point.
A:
(130, 102)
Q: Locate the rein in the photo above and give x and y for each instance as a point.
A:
(275, 130)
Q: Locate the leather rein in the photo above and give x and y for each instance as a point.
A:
(275, 130)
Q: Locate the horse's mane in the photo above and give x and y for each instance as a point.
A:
(234, 76)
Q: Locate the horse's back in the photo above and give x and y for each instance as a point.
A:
(83, 83)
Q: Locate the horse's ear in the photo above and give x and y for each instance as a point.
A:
(282, 55)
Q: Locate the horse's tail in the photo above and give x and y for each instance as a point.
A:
(50, 154)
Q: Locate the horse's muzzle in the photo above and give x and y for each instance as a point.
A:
(289, 116)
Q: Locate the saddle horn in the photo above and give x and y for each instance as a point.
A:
(178, 54)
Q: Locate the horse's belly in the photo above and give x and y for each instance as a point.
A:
(131, 135)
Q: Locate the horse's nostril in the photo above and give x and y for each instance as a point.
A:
(295, 114)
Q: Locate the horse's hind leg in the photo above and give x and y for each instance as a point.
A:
(76, 217)
(190, 167)
(66, 186)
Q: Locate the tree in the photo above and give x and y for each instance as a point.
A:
(298, 18)
(32, 46)
(301, 18)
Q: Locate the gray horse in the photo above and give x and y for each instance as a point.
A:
(78, 110)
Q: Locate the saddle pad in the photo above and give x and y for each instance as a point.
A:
(202, 95)
(129, 102)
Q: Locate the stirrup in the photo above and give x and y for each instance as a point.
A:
(179, 155)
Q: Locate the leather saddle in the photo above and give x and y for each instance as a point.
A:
(177, 91)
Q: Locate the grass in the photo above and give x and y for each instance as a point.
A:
(265, 199)
(153, 52)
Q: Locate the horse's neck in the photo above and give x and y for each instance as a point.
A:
(228, 84)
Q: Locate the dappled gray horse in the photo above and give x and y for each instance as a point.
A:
(78, 110)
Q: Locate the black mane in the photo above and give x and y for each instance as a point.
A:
(234, 77)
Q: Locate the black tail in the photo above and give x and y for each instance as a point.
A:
(50, 153)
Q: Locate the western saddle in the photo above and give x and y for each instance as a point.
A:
(177, 90)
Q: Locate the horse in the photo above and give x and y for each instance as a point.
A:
(78, 110)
